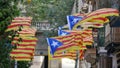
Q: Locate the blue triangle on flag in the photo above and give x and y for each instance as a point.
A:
(72, 20)
(54, 44)
(63, 33)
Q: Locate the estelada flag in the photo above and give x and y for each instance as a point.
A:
(60, 55)
(72, 20)
(100, 13)
(61, 43)
(77, 36)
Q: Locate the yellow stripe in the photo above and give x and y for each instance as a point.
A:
(17, 59)
(27, 35)
(27, 51)
(26, 38)
(16, 28)
(69, 38)
(24, 42)
(20, 55)
(26, 47)
(21, 21)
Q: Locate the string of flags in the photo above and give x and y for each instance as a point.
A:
(25, 42)
(79, 34)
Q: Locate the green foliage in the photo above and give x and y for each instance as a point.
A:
(52, 10)
(55, 11)
(23, 64)
(8, 10)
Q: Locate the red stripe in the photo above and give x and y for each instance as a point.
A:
(104, 19)
(63, 41)
(24, 44)
(66, 46)
(26, 40)
(11, 26)
(21, 57)
(26, 49)
(31, 54)
(101, 14)
(103, 11)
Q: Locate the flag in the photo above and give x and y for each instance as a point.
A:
(61, 43)
(70, 46)
(83, 37)
(77, 39)
(23, 18)
(54, 44)
(70, 53)
(100, 20)
(81, 56)
(25, 42)
(17, 26)
(100, 13)
(87, 37)
(86, 25)
(22, 58)
(72, 20)
(63, 33)
(77, 36)
(21, 21)
(59, 55)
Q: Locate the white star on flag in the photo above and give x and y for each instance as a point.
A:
(75, 21)
(63, 34)
(54, 44)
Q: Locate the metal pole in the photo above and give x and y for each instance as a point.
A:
(15, 64)
(77, 59)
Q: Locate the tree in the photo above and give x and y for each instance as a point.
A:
(8, 11)
(55, 11)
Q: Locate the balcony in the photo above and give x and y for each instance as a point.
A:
(112, 35)
(41, 25)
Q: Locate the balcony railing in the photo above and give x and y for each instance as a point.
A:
(41, 25)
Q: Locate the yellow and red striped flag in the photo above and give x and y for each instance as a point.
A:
(17, 26)
(87, 37)
(26, 41)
